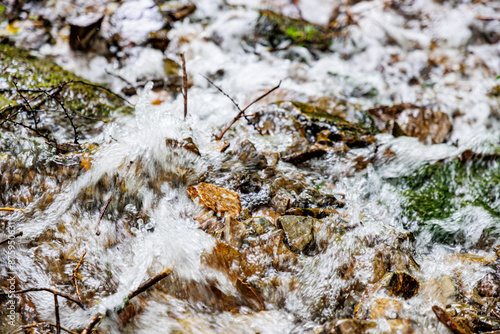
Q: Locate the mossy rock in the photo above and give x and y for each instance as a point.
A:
(315, 120)
(55, 97)
(277, 28)
(434, 192)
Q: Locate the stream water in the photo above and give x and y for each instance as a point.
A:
(150, 222)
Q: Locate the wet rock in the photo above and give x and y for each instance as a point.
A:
(234, 231)
(298, 231)
(387, 308)
(277, 28)
(216, 198)
(186, 144)
(159, 40)
(84, 30)
(269, 250)
(353, 326)
(449, 322)
(489, 286)
(300, 157)
(315, 121)
(430, 127)
(443, 290)
(401, 326)
(401, 284)
(248, 154)
(317, 213)
(258, 225)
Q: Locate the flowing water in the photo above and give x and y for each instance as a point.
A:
(150, 222)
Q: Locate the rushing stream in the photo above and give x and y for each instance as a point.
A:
(130, 207)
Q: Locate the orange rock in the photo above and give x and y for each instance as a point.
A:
(216, 198)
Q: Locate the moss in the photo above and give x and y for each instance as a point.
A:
(278, 28)
(86, 102)
(433, 193)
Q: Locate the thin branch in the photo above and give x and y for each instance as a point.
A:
(75, 281)
(17, 235)
(242, 112)
(96, 319)
(68, 116)
(149, 283)
(184, 85)
(79, 303)
(49, 324)
(100, 87)
(33, 113)
(102, 214)
(119, 77)
(50, 141)
(58, 319)
(220, 90)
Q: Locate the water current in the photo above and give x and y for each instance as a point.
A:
(150, 222)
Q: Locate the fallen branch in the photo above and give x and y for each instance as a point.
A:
(75, 281)
(18, 234)
(77, 302)
(45, 323)
(241, 112)
(184, 85)
(96, 319)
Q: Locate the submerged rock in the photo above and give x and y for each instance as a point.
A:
(298, 231)
(215, 198)
(430, 127)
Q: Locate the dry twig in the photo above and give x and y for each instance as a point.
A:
(18, 234)
(77, 302)
(184, 85)
(75, 281)
(58, 319)
(241, 112)
(96, 319)
(45, 323)
(102, 214)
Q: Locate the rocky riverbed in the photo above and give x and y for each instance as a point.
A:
(337, 170)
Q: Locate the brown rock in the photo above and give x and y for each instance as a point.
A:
(216, 198)
(402, 285)
(430, 127)
(353, 326)
(234, 231)
(384, 308)
(489, 286)
(298, 231)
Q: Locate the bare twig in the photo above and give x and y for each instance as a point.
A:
(77, 302)
(18, 234)
(149, 283)
(27, 103)
(96, 319)
(242, 112)
(67, 115)
(100, 87)
(184, 85)
(45, 323)
(75, 281)
(220, 90)
(58, 320)
(97, 232)
(50, 141)
(119, 77)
